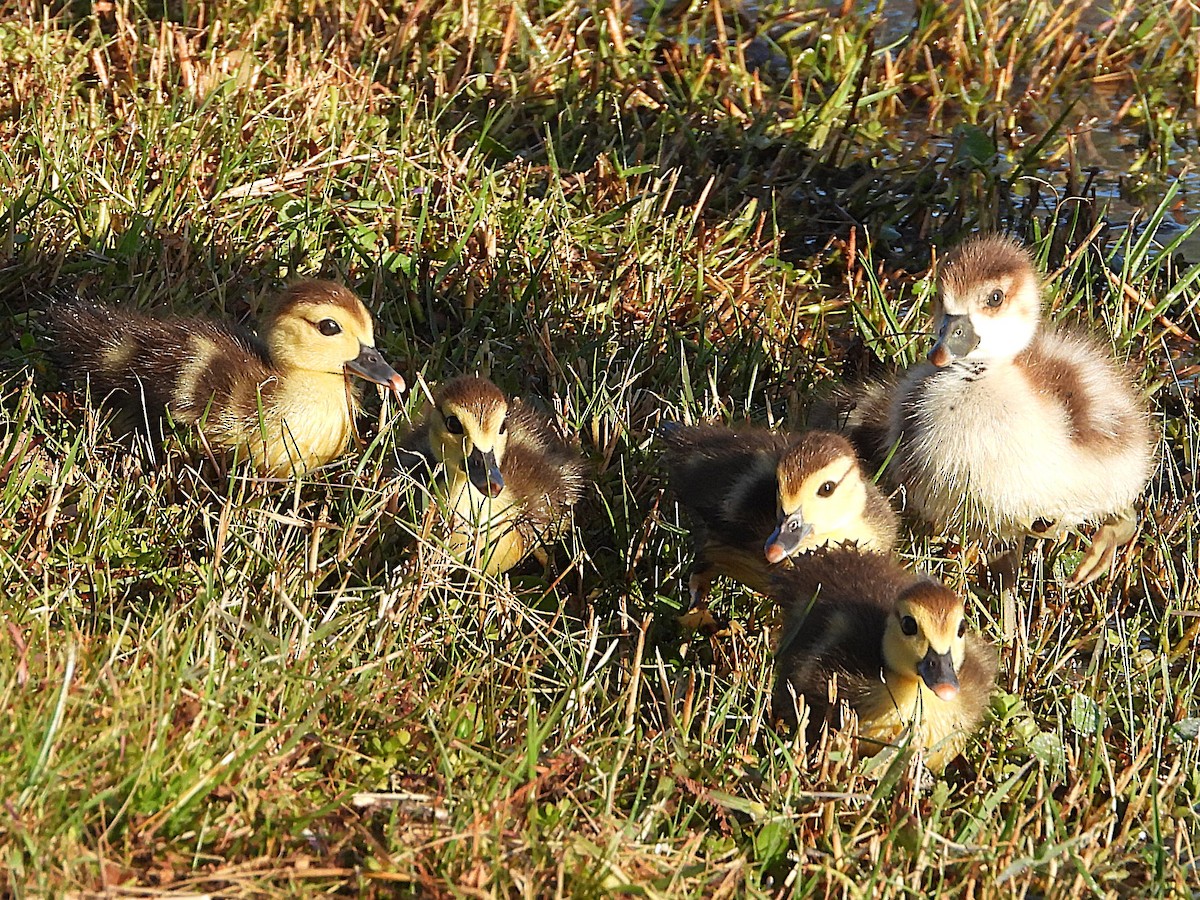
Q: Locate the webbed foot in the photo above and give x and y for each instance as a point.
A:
(1111, 536)
(698, 585)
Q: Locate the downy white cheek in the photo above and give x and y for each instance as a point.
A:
(1003, 336)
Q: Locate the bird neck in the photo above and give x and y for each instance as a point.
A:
(902, 685)
(293, 370)
(972, 370)
(478, 521)
(330, 389)
(314, 422)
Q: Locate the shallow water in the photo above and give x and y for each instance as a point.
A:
(1127, 185)
(1107, 154)
(1107, 159)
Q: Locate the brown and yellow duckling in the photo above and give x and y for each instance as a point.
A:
(894, 646)
(1011, 427)
(501, 473)
(757, 497)
(281, 399)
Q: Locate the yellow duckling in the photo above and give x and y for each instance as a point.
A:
(894, 646)
(1012, 428)
(500, 471)
(757, 497)
(282, 400)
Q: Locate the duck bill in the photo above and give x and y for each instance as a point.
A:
(937, 671)
(956, 338)
(788, 538)
(484, 473)
(371, 366)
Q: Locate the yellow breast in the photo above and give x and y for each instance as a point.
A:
(483, 531)
(299, 425)
(938, 726)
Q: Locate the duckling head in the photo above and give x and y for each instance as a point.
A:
(821, 492)
(925, 637)
(989, 302)
(468, 431)
(321, 327)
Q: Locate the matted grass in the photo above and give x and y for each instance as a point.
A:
(215, 685)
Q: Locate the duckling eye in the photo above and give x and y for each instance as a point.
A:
(826, 489)
(962, 627)
(328, 327)
(908, 625)
(453, 425)
(995, 298)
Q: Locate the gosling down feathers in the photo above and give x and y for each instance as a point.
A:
(757, 497)
(282, 400)
(1012, 427)
(892, 645)
(502, 474)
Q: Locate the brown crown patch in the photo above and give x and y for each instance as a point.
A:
(938, 601)
(470, 392)
(323, 293)
(812, 452)
(985, 258)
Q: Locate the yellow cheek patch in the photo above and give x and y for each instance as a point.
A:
(451, 449)
(807, 493)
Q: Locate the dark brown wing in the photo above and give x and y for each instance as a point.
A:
(881, 516)
(864, 415)
(977, 677)
(547, 475)
(530, 428)
(1096, 421)
(726, 480)
(147, 364)
(836, 602)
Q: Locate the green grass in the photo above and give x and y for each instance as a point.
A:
(217, 686)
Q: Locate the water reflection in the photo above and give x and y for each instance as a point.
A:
(1101, 130)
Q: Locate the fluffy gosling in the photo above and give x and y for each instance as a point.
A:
(282, 400)
(1012, 427)
(892, 645)
(500, 471)
(757, 497)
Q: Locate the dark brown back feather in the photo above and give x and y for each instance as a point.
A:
(1092, 423)
(87, 336)
(864, 414)
(545, 474)
(836, 602)
(705, 463)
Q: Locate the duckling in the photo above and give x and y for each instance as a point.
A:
(895, 646)
(758, 497)
(282, 400)
(1011, 428)
(506, 478)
